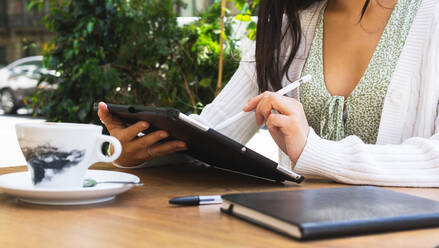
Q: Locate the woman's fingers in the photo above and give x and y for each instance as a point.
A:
(156, 150)
(264, 108)
(111, 122)
(149, 139)
(272, 101)
(277, 121)
(276, 124)
(260, 112)
(254, 101)
(283, 104)
(131, 132)
(166, 148)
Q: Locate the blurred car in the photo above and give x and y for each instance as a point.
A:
(20, 79)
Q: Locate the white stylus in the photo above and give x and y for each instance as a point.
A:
(282, 91)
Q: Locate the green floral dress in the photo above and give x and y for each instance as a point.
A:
(334, 117)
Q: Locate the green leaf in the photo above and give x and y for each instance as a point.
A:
(239, 4)
(251, 34)
(245, 9)
(251, 26)
(205, 82)
(243, 18)
(90, 27)
(31, 5)
(251, 31)
(69, 54)
(184, 40)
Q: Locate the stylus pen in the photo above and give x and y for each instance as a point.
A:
(196, 200)
(282, 91)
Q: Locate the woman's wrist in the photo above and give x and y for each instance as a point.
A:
(300, 146)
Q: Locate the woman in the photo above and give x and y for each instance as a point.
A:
(370, 114)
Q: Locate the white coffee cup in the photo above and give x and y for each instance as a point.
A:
(59, 154)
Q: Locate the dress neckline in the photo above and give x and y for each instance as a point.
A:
(372, 60)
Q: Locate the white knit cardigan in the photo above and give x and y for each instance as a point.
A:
(407, 148)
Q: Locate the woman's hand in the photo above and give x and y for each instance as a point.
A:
(288, 126)
(137, 149)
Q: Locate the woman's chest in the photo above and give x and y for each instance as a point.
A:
(347, 50)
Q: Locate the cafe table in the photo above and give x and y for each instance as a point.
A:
(142, 217)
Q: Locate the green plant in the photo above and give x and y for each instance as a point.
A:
(247, 9)
(129, 52)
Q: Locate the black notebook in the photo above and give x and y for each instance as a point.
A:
(321, 213)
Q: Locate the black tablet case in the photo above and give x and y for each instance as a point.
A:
(321, 213)
(209, 146)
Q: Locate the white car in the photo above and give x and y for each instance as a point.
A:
(18, 80)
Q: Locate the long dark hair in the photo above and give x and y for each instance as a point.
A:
(271, 65)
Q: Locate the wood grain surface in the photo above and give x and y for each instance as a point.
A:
(142, 216)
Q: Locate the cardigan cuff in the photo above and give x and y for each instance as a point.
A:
(316, 152)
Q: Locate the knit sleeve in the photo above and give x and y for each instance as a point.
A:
(414, 163)
(232, 99)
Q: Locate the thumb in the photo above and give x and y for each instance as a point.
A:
(111, 122)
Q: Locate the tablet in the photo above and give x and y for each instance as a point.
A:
(204, 143)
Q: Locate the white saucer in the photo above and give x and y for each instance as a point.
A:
(19, 184)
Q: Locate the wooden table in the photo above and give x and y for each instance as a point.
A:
(142, 217)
